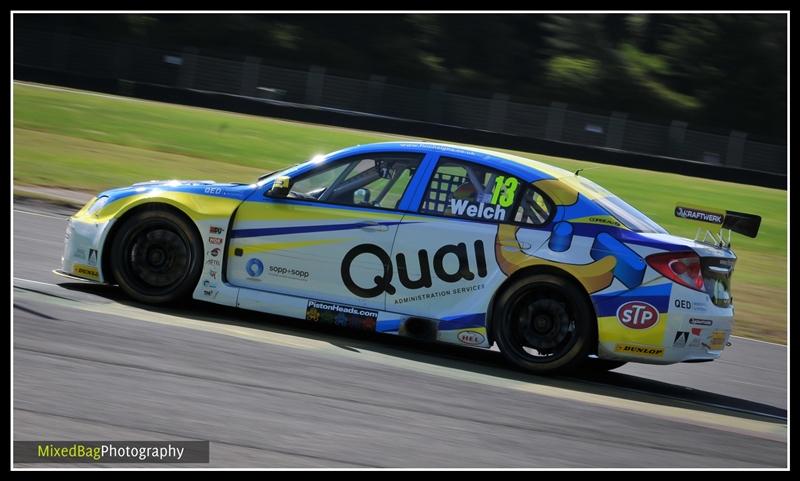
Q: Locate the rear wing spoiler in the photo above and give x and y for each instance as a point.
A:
(739, 222)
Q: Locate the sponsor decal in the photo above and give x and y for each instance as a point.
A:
(341, 315)
(701, 322)
(213, 190)
(210, 293)
(695, 338)
(215, 240)
(288, 272)
(214, 252)
(697, 214)
(383, 283)
(254, 267)
(599, 219)
(717, 341)
(86, 271)
(213, 262)
(466, 290)
(209, 284)
(215, 230)
(637, 315)
(681, 337)
(213, 274)
(92, 261)
(682, 304)
(604, 220)
(638, 350)
(471, 338)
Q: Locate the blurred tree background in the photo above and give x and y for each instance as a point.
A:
(715, 71)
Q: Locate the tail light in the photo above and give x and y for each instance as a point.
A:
(681, 267)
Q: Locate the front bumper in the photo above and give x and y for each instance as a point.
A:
(82, 255)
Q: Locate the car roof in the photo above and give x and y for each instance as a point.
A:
(528, 170)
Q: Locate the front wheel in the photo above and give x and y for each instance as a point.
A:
(157, 256)
(544, 324)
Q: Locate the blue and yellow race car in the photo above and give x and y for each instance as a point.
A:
(427, 240)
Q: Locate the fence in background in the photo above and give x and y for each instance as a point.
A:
(251, 77)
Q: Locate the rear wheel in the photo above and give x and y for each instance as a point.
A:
(543, 323)
(157, 256)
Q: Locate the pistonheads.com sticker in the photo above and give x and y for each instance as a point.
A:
(341, 315)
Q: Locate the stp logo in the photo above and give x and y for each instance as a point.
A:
(637, 315)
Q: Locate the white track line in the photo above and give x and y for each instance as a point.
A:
(757, 340)
(41, 215)
(35, 282)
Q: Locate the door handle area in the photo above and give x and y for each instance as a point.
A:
(372, 226)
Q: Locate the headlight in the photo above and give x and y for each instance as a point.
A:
(92, 206)
(98, 204)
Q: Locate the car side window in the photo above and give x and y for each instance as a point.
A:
(533, 208)
(463, 189)
(377, 180)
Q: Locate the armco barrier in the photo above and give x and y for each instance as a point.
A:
(358, 120)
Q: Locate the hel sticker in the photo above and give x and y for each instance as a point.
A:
(471, 338)
(637, 315)
(341, 315)
(639, 350)
(86, 271)
(504, 191)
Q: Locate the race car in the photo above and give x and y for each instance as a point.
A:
(432, 241)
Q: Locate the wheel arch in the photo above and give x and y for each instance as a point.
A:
(537, 270)
(108, 243)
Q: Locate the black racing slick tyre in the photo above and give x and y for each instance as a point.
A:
(544, 324)
(157, 256)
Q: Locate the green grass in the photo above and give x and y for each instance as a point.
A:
(93, 142)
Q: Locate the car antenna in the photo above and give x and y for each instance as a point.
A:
(578, 172)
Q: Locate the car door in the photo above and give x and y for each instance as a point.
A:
(446, 262)
(341, 213)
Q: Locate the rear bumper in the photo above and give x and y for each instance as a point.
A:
(692, 330)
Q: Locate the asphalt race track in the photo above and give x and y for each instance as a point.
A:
(270, 392)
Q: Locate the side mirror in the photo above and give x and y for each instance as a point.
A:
(361, 196)
(281, 186)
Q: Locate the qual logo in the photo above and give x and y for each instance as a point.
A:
(254, 267)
